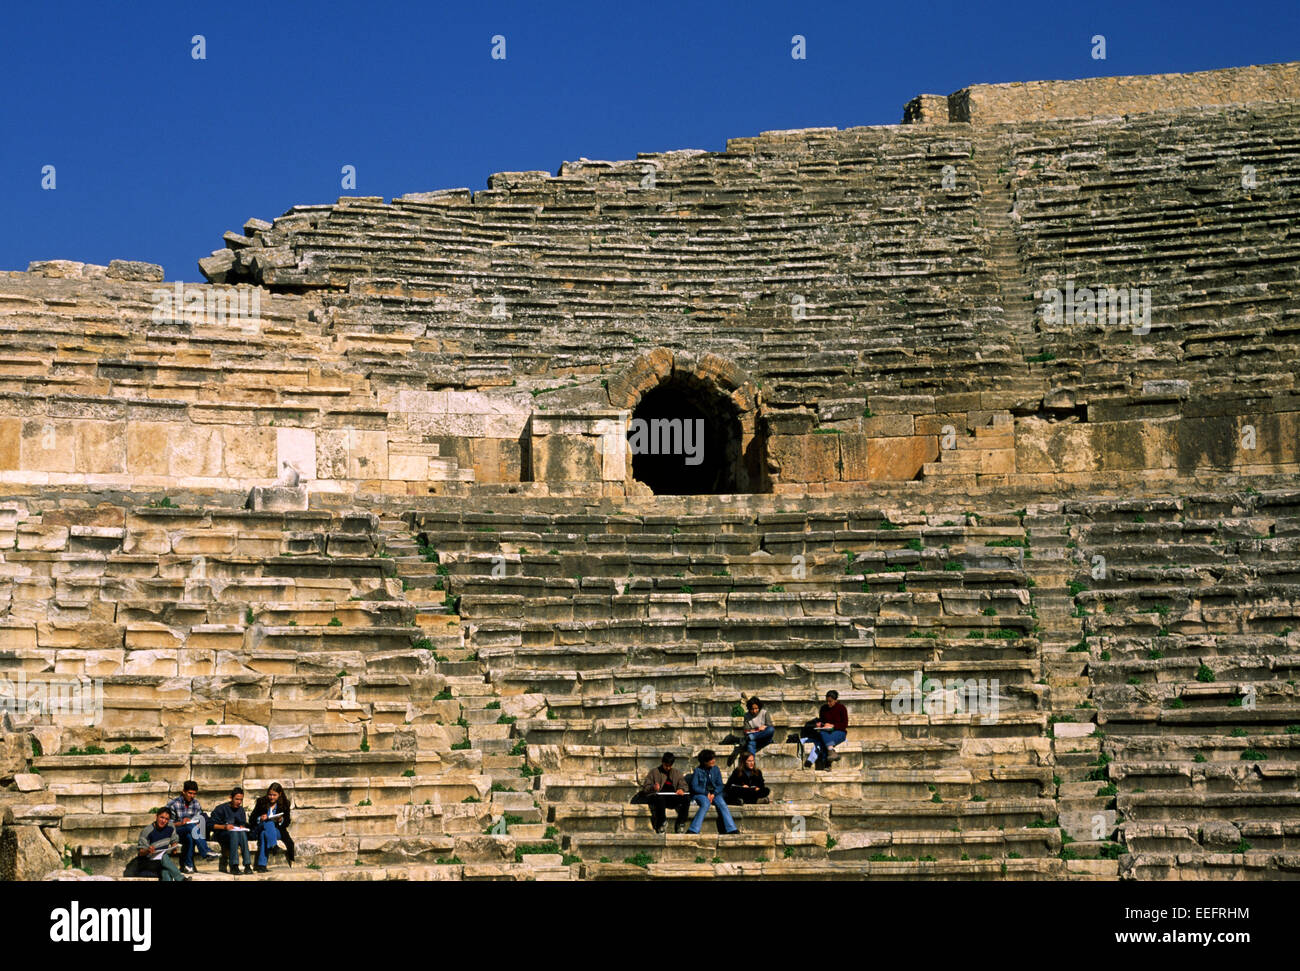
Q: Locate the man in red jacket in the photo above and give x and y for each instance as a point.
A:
(829, 729)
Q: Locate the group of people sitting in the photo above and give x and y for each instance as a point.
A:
(181, 828)
(666, 787)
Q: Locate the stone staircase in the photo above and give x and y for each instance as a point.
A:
(1086, 815)
(472, 692)
(588, 613)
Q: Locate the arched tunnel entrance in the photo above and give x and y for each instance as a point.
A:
(686, 438)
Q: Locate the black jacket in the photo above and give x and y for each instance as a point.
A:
(263, 805)
(743, 777)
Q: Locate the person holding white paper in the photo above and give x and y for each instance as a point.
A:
(187, 817)
(157, 843)
(271, 819)
(230, 826)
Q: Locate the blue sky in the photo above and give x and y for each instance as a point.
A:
(156, 154)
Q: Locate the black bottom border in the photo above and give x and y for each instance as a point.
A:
(336, 918)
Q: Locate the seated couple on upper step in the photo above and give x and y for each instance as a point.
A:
(823, 733)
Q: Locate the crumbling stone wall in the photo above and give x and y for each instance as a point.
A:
(1020, 101)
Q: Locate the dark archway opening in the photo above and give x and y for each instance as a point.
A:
(685, 438)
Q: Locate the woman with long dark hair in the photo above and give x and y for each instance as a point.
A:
(270, 818)
(758, 730)
(746, 783)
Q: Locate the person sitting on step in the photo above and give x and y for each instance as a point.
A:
(758, 730)
(158, 842)
(745, 786)
(271, 825)
(664, 788)
(828, 729)
(707, 790)
(230, 826)
(187, 817)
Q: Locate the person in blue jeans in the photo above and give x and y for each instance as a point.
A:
(758, 731)
(230, 826)
(187, 817)
(707, 790)
(828, 729)
(271, 825)
(758, 727)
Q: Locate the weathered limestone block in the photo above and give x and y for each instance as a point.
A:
(351, 454)
(1138, 444)
(277, 499)
(1037, 100)
(1220, 835)
(216, 267)
(65, 269)
(523, 706)
(478, 848)
(148, 447)
(854, 452)
(250, 452)
(204, 542)
(248, 711)
(134, 798)
(840, 409)
(450, 424)
(15, 750)
(332, 453)
(881, 404)
(341, 738)
(45, 539)
(498, 460)
(436, 737)
(195, 663)
(194, 450)
(149, 636)
(25, 854)
(1082, 825)
(563, 451)
(10, 444)
(926, 109)
(49, 738)
(1001, 461)
(101, 446)
(28, 781)
(231, 739)
(134, 271)
(900, 459)
(889, 426)
(17, 636)
(546, 756)
(162, 663)
(412, 468)
(1043, 446)
(367, 454)
(48, 446)
(806, 458)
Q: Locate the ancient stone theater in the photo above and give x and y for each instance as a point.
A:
(453, 513)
